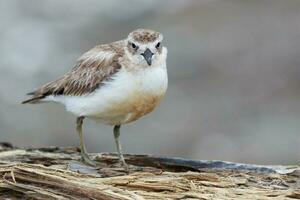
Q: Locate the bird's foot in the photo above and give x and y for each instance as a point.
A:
(121, 166)
(125, 166)
(86, 159)
(131, 168)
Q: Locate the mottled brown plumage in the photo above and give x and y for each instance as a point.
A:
(145, 36)
(87, 75)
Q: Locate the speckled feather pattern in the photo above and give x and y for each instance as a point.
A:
(144, 35)
(91, 69)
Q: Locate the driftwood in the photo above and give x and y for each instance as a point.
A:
(56, 173)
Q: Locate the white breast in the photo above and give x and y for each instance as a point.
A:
(123, 99)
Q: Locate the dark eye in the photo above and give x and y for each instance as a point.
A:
(133, 45)
(157, 45)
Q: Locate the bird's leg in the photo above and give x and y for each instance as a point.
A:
(118, 144)
(85, 158)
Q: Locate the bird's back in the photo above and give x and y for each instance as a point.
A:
(90, 71)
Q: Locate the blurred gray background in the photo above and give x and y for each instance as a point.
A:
(234, 75)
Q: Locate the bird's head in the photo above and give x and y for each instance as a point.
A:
(144, 48)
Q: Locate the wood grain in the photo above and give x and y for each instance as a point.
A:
(56, 173)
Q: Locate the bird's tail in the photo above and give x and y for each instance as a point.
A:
(34, 99)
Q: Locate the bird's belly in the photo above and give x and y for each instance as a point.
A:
(123, 100)
(128, 110)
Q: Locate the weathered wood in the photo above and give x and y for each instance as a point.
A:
(56, 173)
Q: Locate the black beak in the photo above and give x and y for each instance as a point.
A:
(148, 56)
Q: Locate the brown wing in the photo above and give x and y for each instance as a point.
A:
(91, 70)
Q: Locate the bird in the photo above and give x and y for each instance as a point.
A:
(113, 84)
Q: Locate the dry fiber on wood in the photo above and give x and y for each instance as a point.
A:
(55, 173)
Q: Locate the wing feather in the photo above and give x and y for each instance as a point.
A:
(90, 71)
